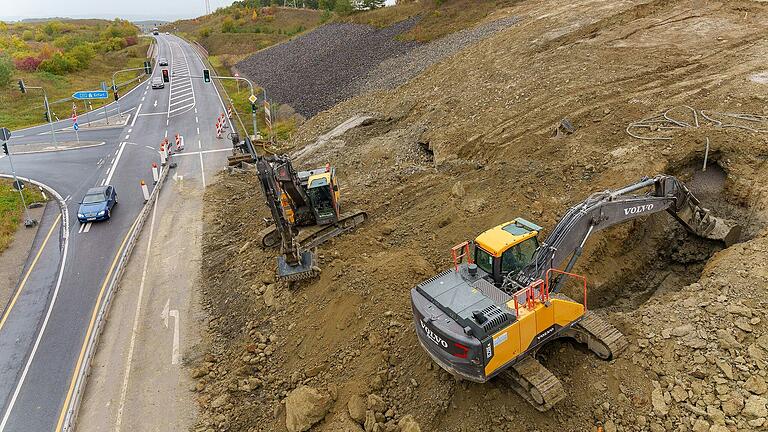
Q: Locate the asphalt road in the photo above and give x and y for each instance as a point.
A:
(44, 328)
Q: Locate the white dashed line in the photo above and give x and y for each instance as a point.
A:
(196, 120)
(198, 131)
(127, 136)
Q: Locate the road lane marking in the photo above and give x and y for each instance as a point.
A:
(166, 133)
(127, 136)
(87, 227)
(202, 168)
(89, 331)
(196, 119)
(130, 130)
(80, 231)
(135, 116)
(114, 164)
(65, 236)
(135, 330)
(195, 110)
(142, 98)
(199, 144)
(29, 271)
(202, 152)
(188, 98)
(198, 131)
(155, 102)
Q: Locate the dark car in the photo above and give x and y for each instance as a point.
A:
(162, 61)
(97, 204)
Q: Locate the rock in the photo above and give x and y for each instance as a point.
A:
(356, 407)
(733, 406)
(657, 400)
(679, 394)
(269, 295)
(609, 426)
(754, 407)
(458, 190)
(408, 424)
(719, 428)
(376, 403)
(744, 325)
(220, 401)
(756, 384)
(726, 368)
(304, 407)
(716, 415)
(701, 425)
(756, 423)
(682, 330)
(370, 421)
(726, 340)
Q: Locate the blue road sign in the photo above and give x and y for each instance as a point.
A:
(75, 126)
(94, 94)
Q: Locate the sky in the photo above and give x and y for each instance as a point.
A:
(12, 10)
(168, 10)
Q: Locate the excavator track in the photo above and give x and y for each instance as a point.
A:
(316, 235)
(535, 383)
(600, 336)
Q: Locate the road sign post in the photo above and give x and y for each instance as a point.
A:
(94, 94)
(5, 135)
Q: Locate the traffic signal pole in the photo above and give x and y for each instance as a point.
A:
(114, 87)
(23, 89)
(207, 76)
(28, 222)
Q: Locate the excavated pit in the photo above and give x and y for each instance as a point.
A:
(658, 254)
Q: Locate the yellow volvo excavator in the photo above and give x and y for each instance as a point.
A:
(488, 315)
(306, 212)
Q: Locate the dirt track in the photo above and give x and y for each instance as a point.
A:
(467, 145)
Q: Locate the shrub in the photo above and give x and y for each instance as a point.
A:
(59, 64)
(28, 35)
(131, 40)
(228, 25)
(82, 55)
(27, 64)
(205, 32)
(6, 70)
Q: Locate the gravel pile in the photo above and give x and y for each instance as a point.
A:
(397, 70)
(317, 70)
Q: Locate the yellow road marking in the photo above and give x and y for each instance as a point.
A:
(63, 412)
(29, 271)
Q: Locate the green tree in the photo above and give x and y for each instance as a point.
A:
(6, 70)
(228, 25)
(327, 4)
(82, 54)
(371, 4)
(344, 7)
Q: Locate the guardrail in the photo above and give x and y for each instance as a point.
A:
(74, 405)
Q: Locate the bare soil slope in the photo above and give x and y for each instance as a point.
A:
(468, 144)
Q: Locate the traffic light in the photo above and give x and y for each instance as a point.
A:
(147, 68)
(5, 148)
(22, 87)
(206, 75)
(166, 78)
(254, 108)
(116, 96)
(48, 119)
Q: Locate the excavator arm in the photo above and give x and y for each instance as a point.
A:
(606, 209)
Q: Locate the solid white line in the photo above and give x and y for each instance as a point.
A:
(87, 227)
(135, 116)
(65, 236)
(202, 171)
(135, 331)
(114, 164)
(201, 152)
(187, 107)
(180, 101)
(175, 356)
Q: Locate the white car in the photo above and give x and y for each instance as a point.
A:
(157, 83)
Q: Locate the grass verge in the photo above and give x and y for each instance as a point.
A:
(12, 211)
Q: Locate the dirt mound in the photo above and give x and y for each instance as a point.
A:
(469, 144)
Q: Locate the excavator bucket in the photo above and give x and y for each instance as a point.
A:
(725, 230)
(302, 270)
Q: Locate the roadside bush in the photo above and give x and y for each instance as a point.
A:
(204, 32)
(131, 40)
(82, 55)
(27, 64)
(6, 70)
(228, 25)
(28, 35)
(59, 64)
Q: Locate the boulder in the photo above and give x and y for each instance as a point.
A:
(755, 407)
(756, 384)
(376, 403)
(408, 424)
(356, 407)
(304, 407)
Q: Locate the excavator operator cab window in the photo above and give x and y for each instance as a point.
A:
(319, 192)
(518, 256)
(484, 260)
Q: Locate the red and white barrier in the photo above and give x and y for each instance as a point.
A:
(229, 111)
(145, 191)
(218, 128)
(155, 173)
(163, 156)
(179, 143)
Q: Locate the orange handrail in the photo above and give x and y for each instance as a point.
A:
(457, 257)
(573, 275)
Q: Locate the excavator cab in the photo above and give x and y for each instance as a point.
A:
(506, 248)
(323, 193)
